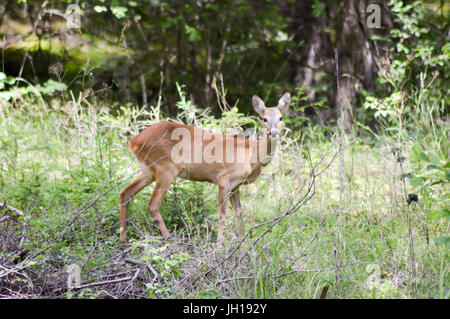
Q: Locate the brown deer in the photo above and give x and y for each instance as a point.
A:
(228, 161)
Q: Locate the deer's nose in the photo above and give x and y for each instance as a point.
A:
(273, 133)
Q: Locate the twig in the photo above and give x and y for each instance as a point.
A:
(5, 218)
(336, 268)
(17, 271)
(307, 247)
(148, 265)
(144, 90)
(121, 254)
(410, 233)
(341, 170)
(310, 192)
(24, 224)
(408, 212)
(18, 211)
(100, 283)
(136, 274)
(308, 195)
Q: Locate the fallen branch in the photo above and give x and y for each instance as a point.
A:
(5, 218)
(148, 265)
(106, 282)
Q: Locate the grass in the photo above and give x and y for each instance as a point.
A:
(57, 158)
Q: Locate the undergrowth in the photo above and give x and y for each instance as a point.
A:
(64, 161)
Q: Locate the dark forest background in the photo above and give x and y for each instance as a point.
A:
(131, 51)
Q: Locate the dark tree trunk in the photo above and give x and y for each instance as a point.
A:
(341, 27)
(350, 49)
(311, 55)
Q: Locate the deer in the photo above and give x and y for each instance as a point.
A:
(158, 147)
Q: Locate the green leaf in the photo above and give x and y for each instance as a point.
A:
(119, 12)
(434, 215)
(194, 34)
(434, 160)
(211, 6)
(445, 212)
(317, 8)
(431, 166)
(442, 240)
(437, 182)
(423, 156)
(10, 80)
(416, 181)
(100, 9)
(447, 165)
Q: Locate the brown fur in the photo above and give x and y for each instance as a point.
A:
(152, 148)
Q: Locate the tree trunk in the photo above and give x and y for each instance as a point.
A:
(339, 26)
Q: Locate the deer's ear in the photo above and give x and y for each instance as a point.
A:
(258, 104)
(284, 102)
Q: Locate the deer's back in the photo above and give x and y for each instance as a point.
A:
(154, 145)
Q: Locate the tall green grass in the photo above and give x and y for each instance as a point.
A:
(57, 158)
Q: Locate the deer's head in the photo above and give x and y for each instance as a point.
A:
(272, 116)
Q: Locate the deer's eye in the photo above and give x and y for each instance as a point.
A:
(265, 120)
(281, 118)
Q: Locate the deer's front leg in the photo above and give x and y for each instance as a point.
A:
(236, 203)
(228, 181)
(223, 194)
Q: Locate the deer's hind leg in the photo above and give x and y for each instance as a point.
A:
(127, 194)
(164, 178)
